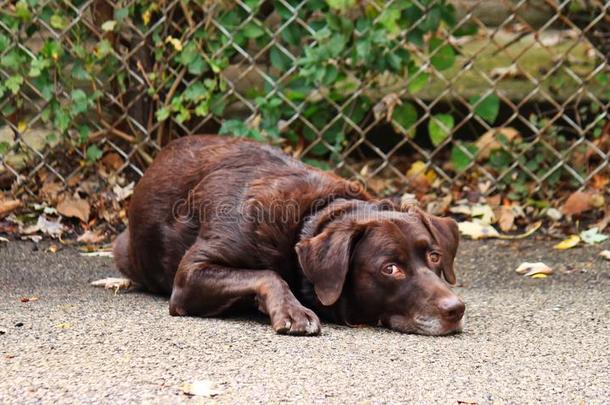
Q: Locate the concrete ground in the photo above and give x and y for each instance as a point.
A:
(525, 341)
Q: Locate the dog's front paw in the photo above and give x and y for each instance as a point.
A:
(295, 319)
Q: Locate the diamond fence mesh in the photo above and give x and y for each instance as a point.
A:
(506, 97)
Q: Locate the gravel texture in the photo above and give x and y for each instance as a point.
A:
(526, 340)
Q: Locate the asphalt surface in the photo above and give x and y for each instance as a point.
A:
(525, 340)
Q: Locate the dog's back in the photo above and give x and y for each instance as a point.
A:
(203, 182)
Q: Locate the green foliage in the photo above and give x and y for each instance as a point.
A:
(329, 74)
(439, 128)
(486, 108)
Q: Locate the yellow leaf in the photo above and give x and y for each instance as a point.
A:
(418, 168)
(22, 126)
(64, 325)
(568, 243)
(539, 275)
(175, 42)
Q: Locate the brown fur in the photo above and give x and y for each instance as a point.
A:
(222, 223)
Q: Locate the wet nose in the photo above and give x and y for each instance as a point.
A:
(452, 309)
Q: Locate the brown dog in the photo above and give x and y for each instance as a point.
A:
(223, 223)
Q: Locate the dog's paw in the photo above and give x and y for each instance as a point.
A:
(114, 283)
(296, 320)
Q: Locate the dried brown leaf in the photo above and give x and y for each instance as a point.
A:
(74, 207)
(92, 237)
(581, 201)
(489, 141)
(8, 206)
(506, 218)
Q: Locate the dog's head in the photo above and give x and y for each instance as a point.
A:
(381, 266)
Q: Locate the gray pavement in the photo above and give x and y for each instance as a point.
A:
(525, 341)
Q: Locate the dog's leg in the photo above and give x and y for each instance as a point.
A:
(202, 288)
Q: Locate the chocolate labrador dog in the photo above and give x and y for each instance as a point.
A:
(223, 223)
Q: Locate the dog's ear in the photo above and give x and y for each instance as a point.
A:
(447, 234)
(325, 260)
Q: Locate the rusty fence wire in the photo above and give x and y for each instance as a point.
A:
(497, 95)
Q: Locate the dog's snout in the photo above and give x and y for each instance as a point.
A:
(452, 309)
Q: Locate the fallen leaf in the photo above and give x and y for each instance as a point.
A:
(385, 107)
(418, 168)
(568, 243)
(8, 206)
(539, 275)
(203, 388)
(115, 283)
(28, 299)
(477, 230)
(439, 206)
(593, 236)
(48, 227)
(506, 218)
(531, 229)
(484, 212)
(554, 214)
(605, 254)
(580, 201)
(489, 142)
(50, 190)
(74, 207)
(101, 253)
(534, 269)
(92, 237)
(461, 209)
(123, 192)
(64, 325)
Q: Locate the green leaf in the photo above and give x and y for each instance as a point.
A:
(58, 22)
(37, 66)
(340, 4)
(459, 158)
(431, 20)
(14, 83)
(418, 82)
(406, 116)
(389, 19)
(80, 102)
(336, 44)
(4, 42)
(12, 60)
(195, 92)
(279, 59)
(439, 128)
(121, 13)
(4, 148)
(22, 10)
(444, 55)
(93, 153)
(252, 30)
(52, 50)
(162, 113)
(487, 108)
(83, 133)
(62, 120)
(197, 66)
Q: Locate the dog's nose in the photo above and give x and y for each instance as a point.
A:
(452, 309)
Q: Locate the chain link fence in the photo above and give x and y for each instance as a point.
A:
(501, 96)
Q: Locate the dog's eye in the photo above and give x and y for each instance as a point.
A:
(434, 257)
(391, 270)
